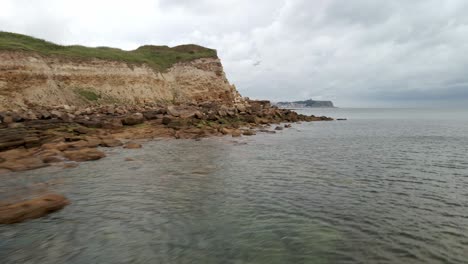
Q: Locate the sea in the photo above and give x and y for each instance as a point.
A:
(384, 186)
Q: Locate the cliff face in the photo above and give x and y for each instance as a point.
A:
(28, 77)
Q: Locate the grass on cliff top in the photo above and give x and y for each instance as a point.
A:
(158, 57)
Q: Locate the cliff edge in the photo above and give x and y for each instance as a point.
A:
(37, 72)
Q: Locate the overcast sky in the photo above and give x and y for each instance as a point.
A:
(354, 52)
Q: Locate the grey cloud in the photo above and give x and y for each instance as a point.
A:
(356, 52)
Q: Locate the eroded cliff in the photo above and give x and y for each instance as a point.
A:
(32, 76)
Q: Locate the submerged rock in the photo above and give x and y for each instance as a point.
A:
(86, 154)
(132, 145)
(249, 132)
(33, 208)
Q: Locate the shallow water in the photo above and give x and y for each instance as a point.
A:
(386, 186)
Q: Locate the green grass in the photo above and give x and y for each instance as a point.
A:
(157, 57)
(88, 94)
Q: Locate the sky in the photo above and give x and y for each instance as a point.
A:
(357, 53)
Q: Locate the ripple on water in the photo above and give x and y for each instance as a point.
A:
(364, 192)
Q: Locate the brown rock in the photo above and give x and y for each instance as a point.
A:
(22, 164)
(70, 165)
(33, 208)
(86, 154)
(57, 145)
(112, 123)
(249, 132)
(166, 120)
(278, 128)
(236, 133)
(8, 119)
(129, 159)
(225, 131)
(133, 119)
(52, 159)
(132, 145)
(171, 110)
(111, 142)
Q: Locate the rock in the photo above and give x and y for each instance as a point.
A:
(44, 114)
(56, 114)
(172, 111)
(236, 133)
(52, 159)
(341, 119)
(151, 115)
(23, 164)
(86, 154)
(89, 123)
(267, 131)
(70, 165)
(199, 115)
(8, 119)
(57, 145)
(249, 132)
(241, 108)
(82, 130)
(30, 142)
(112, 123)
(225, 131)
(133, 119)
(278, 128)
(166, 120)
(251, 119)
(129, 159)
(33, 208)
(15, 125)
(111, 142)
(132, 145)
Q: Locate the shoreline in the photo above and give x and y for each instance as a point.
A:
(66, 136)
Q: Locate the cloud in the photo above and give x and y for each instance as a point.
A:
(357, 52)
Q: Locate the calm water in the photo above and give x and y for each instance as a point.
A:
(386, 186)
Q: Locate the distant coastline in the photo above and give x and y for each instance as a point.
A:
(305, 104)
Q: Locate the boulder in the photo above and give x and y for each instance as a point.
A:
(8, 119)
(236, 133)
(86, 154)
(151, 115)
(225, 131)
(33, 208)
(111, 142)
(23, 164)
(278, 128)
(133, 119)
(112, 123)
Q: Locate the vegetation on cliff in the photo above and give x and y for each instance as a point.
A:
(157, 57)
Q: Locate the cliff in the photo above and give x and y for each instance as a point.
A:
(34, 71)
(306, 103)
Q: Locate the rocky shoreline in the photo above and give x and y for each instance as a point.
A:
(40, 136)
(63, 136)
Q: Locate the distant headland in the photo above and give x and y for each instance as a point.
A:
(305, 104)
